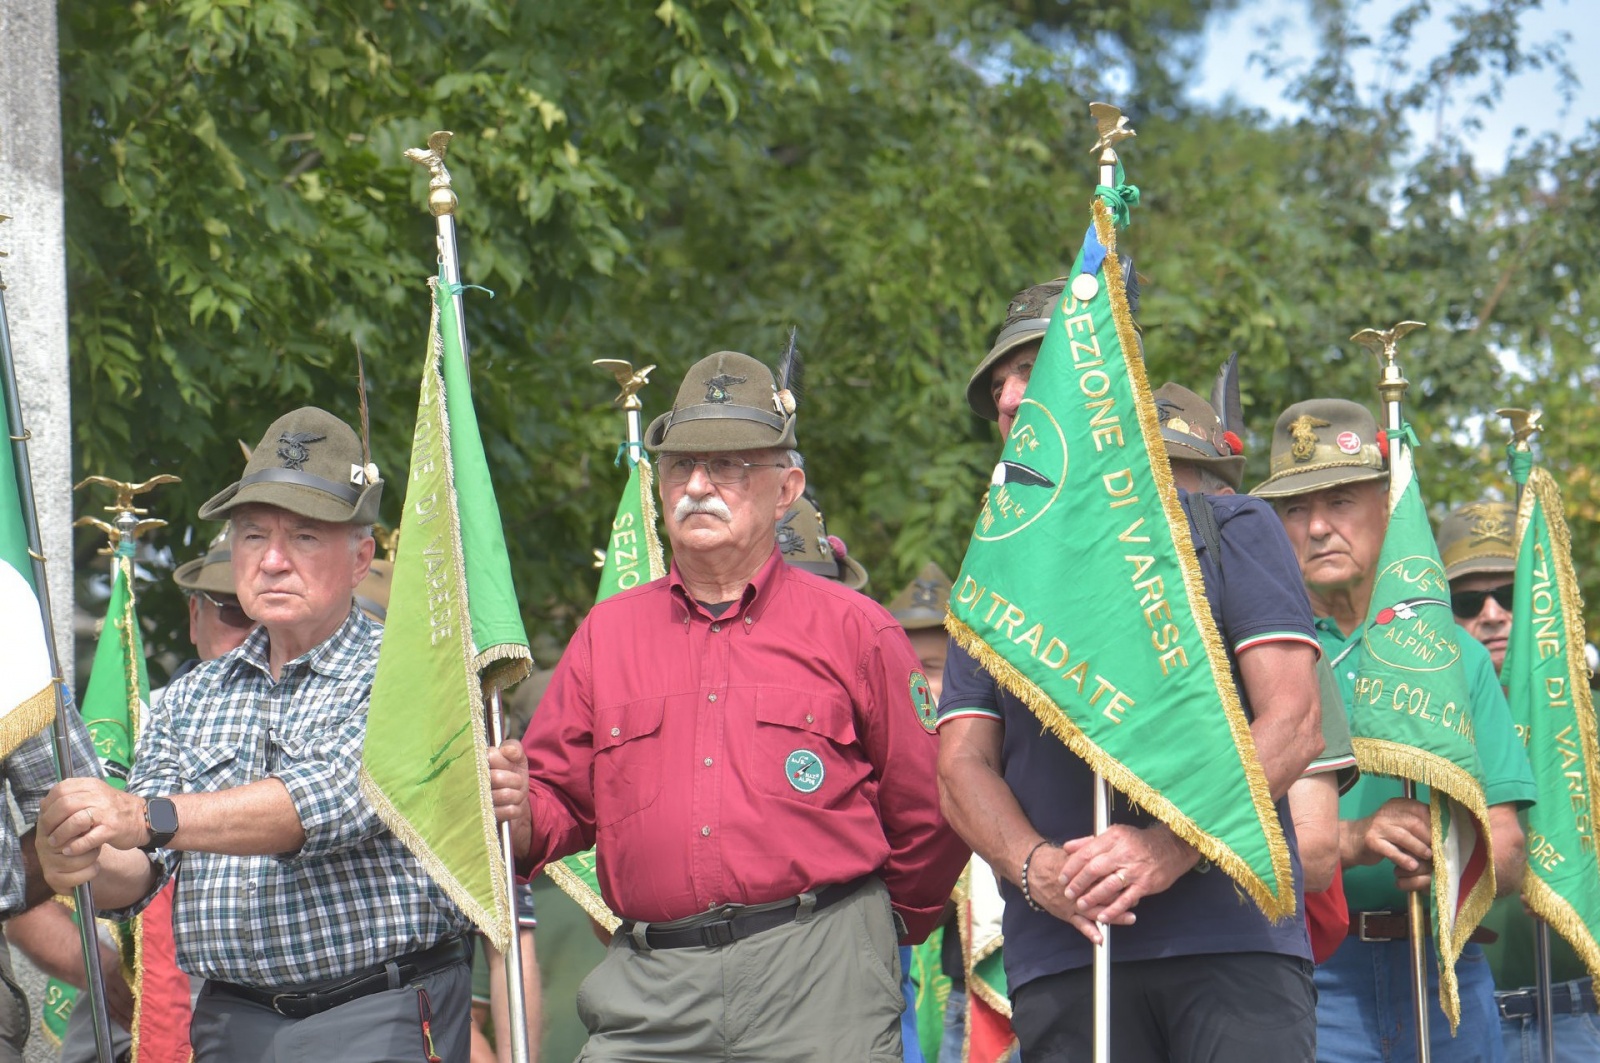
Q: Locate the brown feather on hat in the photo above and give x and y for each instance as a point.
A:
(309, 463)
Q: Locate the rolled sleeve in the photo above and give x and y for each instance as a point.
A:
(31, 767)
(1263, 597)
(322, 774)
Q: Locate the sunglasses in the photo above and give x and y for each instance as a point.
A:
(1468, 604)
(229, 611)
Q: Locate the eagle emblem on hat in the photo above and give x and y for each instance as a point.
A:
(925, 594)
(1487, 523)
(717, 387)
(1303, 436)
(789, 540)
(294, 449)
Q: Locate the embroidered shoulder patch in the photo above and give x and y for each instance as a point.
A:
(922, 701)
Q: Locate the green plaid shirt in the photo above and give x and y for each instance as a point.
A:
(30, 771)
(353, 895)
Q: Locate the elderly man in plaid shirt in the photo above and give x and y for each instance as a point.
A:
(318, 933)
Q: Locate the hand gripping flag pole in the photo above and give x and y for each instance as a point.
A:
(83, 895)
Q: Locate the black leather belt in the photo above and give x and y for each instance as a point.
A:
(365, 982)
(1566, 998)
(1396, 926)
(732, 922)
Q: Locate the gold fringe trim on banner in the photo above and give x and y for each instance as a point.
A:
(32, 715)
(495, 925)
(1553, 908)
(652, 538)
(132, 642)
(579, 890)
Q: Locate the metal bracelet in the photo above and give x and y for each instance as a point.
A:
(1026, 863)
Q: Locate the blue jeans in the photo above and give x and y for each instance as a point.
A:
(1576, 1036)
(1365, 1013)
(955, 1026)
(908, 1018)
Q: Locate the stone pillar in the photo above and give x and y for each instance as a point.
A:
(35, 275)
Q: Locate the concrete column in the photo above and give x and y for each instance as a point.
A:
(35, 274)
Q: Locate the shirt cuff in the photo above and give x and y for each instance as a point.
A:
(324, 822)
(165, 861)
(970, 712)
(1277, 636)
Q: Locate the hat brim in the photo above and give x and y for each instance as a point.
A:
(712, 435)
(1229, 469)
(297, 499)
(919, 619)
(852, 573)
(196, 575)
(1302, 482)
(978, 396)
(1475, 565)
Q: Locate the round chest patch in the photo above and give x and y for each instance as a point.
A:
(1349, 443)
(922, 701)
(804, 771)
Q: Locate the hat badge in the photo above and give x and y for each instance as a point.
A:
(925, 594)
(1487, 523)
(789, 540)
(717, 387)
(294, 449)
(1303, 436)
(1348, 443)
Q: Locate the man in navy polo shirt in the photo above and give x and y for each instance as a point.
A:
(1199, 973)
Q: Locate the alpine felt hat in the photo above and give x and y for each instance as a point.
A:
(213, 573)
(804, 542)
(1323, 443)
(1479, 537)
(309, 463)
(921, 603)
(1026, 320)
(1193, 433)
(727, 401)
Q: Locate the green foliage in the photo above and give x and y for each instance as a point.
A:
(655, 184)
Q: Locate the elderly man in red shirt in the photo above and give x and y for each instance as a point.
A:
(751, 750)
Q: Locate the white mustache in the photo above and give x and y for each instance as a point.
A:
(711, 504)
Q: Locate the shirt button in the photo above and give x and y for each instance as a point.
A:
(708, 762)
(749, 620)
(711, 697)
(705, 832)
(810, 718)
(715, 628)
(615, 731)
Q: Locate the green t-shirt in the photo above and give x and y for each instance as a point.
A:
(1507, 777)
(1511, 958)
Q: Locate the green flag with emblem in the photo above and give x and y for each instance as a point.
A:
(633, 557)
(27, 696)
(1410, 716)
(1129, 657)
(453, 633)
(1547, 682)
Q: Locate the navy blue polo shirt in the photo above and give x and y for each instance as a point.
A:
(1256, 597)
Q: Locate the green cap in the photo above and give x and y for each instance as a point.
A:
(212, 573)
(921, 603)
(1323, 443)
(727, 401)
(804, 541)
(1026, 320)
(309, 463)
(1193, 433)
(1479, 537)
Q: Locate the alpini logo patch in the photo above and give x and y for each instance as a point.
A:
(1028, 478)
(922, 701)
(804, 771)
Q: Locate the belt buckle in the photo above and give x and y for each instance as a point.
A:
(291, 998)
(716, 934)
(1361, 928)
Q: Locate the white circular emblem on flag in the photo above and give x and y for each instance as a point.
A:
(1349, 442)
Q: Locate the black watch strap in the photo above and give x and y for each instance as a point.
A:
(161, 820)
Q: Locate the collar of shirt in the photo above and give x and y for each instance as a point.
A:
(752, 604)
(332, 657)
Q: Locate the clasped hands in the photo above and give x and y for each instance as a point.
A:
(1096, 881)
(77, 818)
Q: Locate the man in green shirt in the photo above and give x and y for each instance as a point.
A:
(1478, 547)
(1329, 483)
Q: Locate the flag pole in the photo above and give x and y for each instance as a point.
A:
(1391, 390)
(1524, 425)
(442, 204)
(83, 895)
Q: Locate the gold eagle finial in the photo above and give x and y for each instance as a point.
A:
(126, 492)
(1524, 425)
(1383, 342)
(1111, 124)
(631, 380)
(441, 197)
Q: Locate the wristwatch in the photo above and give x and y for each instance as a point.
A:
(161, 820)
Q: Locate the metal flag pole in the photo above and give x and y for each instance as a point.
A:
(1392, 389)
(1524, 425)
(1112, 128)
(83, 895)
(442, 204)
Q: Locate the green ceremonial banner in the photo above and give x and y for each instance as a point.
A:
(633, 557)
(453, 631)
(114, 702)
(1547, 681)
(1411, 717)
(27, 696)
(1130, 657)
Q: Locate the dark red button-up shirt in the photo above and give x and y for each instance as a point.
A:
(780, 747)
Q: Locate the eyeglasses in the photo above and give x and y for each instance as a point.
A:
(1468, 604)
(229, 611)
(724, 471)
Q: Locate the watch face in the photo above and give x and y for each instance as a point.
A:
(163, 816)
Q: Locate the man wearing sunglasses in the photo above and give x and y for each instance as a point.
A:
(319, 934)
(1329, 482)
(1477, 543)
(749, 747)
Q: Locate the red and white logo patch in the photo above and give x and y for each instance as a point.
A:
(1349, 442)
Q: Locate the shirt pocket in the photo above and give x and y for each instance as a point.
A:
(208, 767)
(803, 747)
(627, 759)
